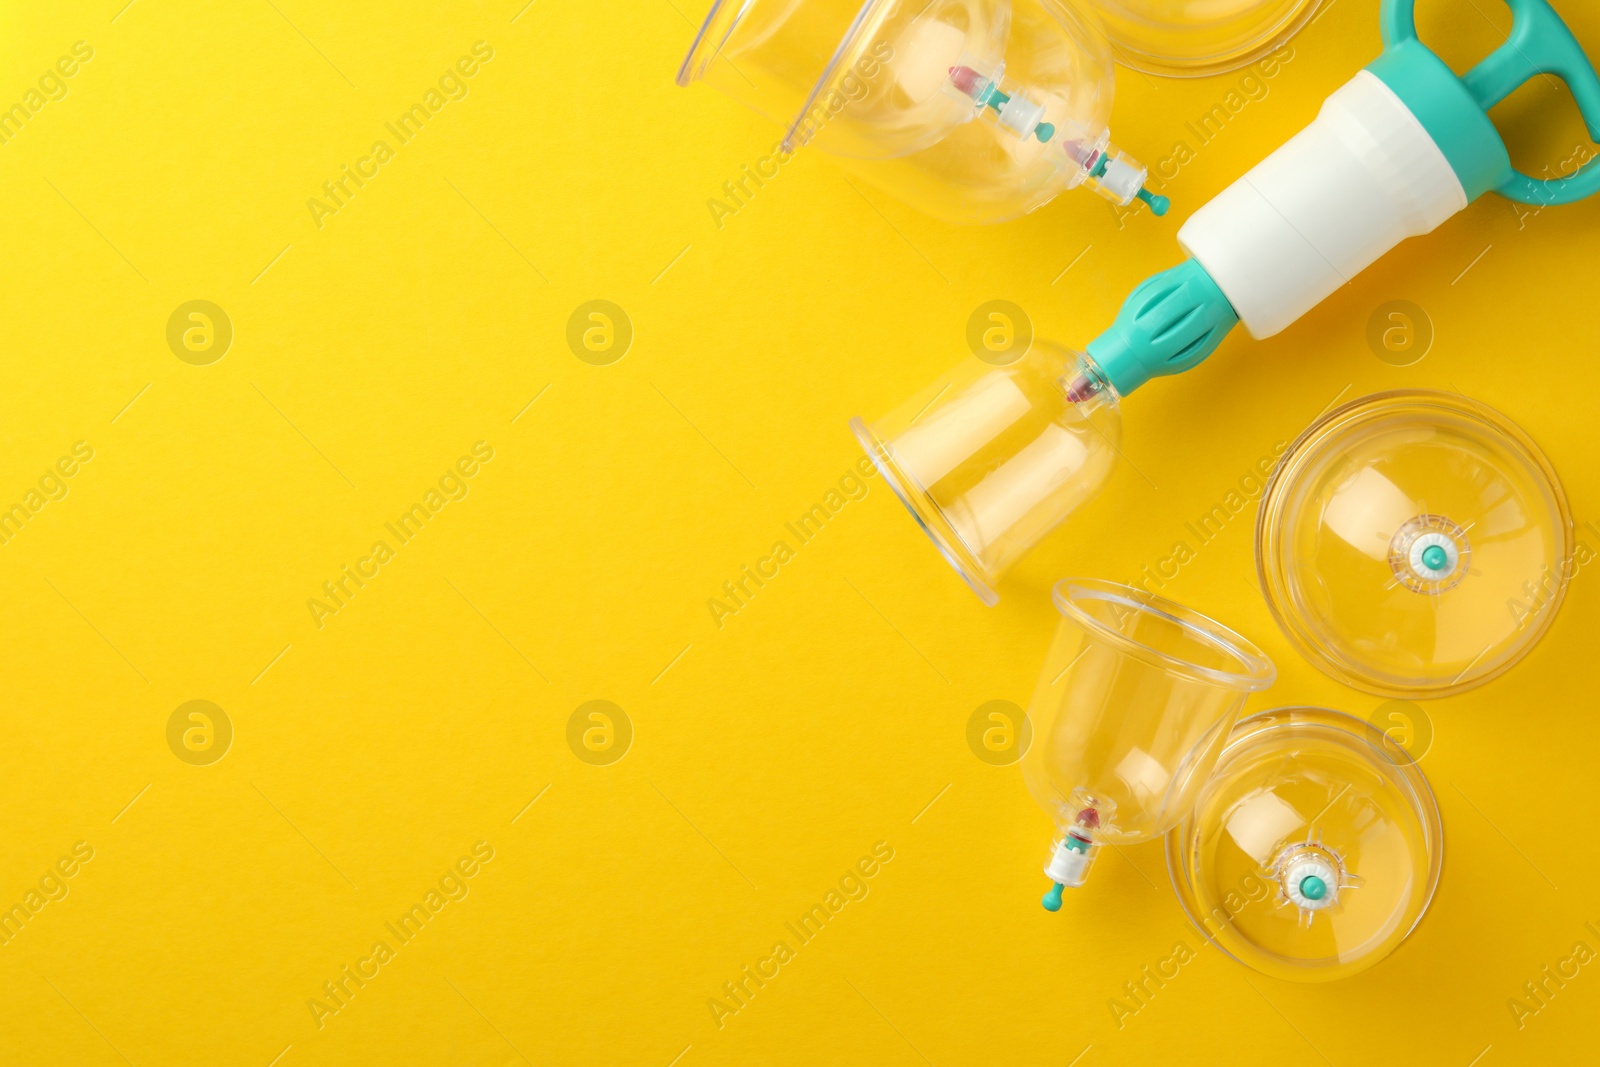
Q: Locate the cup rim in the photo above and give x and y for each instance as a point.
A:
(724, 18)
(830, 72)
(702, 51)
(1275, 571)
(911, 494)
(1254, 672)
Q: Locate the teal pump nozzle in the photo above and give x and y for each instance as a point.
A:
(1399, 149)
(1168, 324)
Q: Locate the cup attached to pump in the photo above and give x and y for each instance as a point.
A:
(991, 458)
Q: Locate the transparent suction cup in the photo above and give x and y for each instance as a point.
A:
(1313, 851)
(1132, 709)
(990, 458)
(970, 110)
(1192, 38)
(1414, 544)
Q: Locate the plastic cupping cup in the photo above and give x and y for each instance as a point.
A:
(1313, 851)
(969, 110)
(1130, 714)
(1414, 543)
(991, 458)
(1192, 38)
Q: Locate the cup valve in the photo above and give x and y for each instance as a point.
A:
(1074, 854)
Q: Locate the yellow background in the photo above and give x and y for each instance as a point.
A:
(769, 754)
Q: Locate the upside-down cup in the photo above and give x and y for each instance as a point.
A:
(1414, 543)
(1313, 851)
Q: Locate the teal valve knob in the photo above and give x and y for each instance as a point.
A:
(1168, 324)
(1052, 899)
(1159, 205)
(1313, 888)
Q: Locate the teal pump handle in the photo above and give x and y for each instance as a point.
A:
(1540, 43)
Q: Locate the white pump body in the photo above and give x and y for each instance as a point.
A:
(1360, 179)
